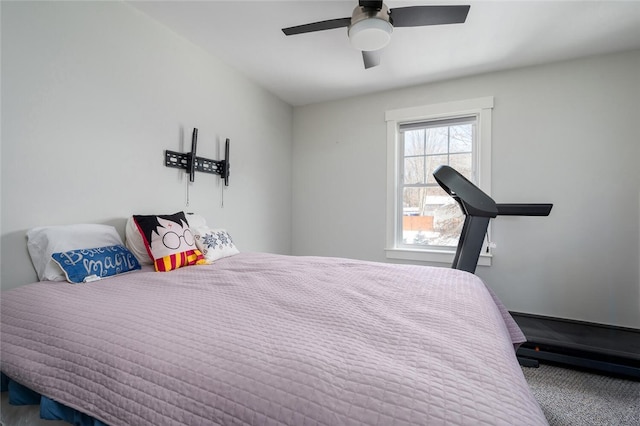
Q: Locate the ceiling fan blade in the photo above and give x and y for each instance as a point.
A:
(377, 5)
(417, 16)
(371, 58)
(317, 26)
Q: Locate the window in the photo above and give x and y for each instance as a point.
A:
(423, 221)
(430, 217)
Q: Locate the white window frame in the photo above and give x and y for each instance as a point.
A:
(480, 107)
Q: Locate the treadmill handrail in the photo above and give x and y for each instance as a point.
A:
(478, 209)
(524, 209)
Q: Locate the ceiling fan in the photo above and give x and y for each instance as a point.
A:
(372, 22)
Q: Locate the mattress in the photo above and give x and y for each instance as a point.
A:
(265, 339)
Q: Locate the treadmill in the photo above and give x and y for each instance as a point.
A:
(478, 209)
(597, 347)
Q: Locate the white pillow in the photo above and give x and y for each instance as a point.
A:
(135, 243)
(43, 241)
(214, 243)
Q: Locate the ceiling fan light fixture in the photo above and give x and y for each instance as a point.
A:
(370, 34)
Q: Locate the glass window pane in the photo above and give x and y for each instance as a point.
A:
(436, 196)
(414, 142)
(413, 201)
(416, 222)
(462, 163)
(433, 162)
(413, 170)
(461, 138)
(437, 140)
(430, 217)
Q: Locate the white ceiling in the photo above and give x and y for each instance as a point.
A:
(323, 66)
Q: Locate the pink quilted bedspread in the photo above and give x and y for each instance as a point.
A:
(265, 339)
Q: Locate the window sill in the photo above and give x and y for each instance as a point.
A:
(435, 256)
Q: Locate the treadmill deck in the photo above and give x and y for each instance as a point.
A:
(610, 349)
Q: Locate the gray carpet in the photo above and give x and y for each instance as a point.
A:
(570, 397)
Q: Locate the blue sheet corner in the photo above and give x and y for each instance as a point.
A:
(49, 409)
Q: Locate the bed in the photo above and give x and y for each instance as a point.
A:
(265, 339)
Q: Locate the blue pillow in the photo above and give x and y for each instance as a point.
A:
(95, 263)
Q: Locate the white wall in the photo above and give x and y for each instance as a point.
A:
(565, 133)
(92, 95)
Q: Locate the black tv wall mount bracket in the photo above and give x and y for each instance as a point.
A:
(192, 163)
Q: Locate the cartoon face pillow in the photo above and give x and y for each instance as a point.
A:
(169, 241)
